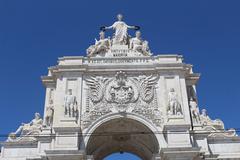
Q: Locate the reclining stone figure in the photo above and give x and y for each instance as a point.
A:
(31, 128)
(100, 46)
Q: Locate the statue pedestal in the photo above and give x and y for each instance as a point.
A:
(67, 138)
(69, 120)
(186, 153)
(197, 126)
(46, 131)
(177, 135)
(45, 139)
(173, 119)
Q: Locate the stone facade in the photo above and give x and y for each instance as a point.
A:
(120, 98)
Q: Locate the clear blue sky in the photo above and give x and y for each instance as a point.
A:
(33, 34)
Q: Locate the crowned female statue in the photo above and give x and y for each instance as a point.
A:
(120, 27)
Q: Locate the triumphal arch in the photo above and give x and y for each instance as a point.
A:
(121, 98)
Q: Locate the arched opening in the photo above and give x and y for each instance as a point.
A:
(122, 156)
(122, 135)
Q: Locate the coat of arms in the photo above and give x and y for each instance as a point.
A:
(121, 92)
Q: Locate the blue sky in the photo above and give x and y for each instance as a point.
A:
(123, 156)
(33, 34)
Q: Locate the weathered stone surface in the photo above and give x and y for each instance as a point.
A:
(121, 99)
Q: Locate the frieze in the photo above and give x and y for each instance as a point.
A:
(122, 93)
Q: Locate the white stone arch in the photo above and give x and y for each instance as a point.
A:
(131, 116)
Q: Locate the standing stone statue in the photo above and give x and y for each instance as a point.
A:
(70, 104)
(34, 125)
(174, 107)
(101, 45)
(120, 27)
(49, 114)
(194, 110)
(137, 44)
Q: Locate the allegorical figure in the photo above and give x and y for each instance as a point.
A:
(194, 110)
(215, 126)
(174, 107)
(34, 125)
(101, 45)
(121, 28)
(70, 104)
(31, 128)
(204, 117)
(137, 44)
(207, 121)
(49, 114)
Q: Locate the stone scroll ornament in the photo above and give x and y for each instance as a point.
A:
(121, 94)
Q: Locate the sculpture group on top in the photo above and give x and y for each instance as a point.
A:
(119, 38)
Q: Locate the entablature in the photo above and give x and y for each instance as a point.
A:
(171, 63)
